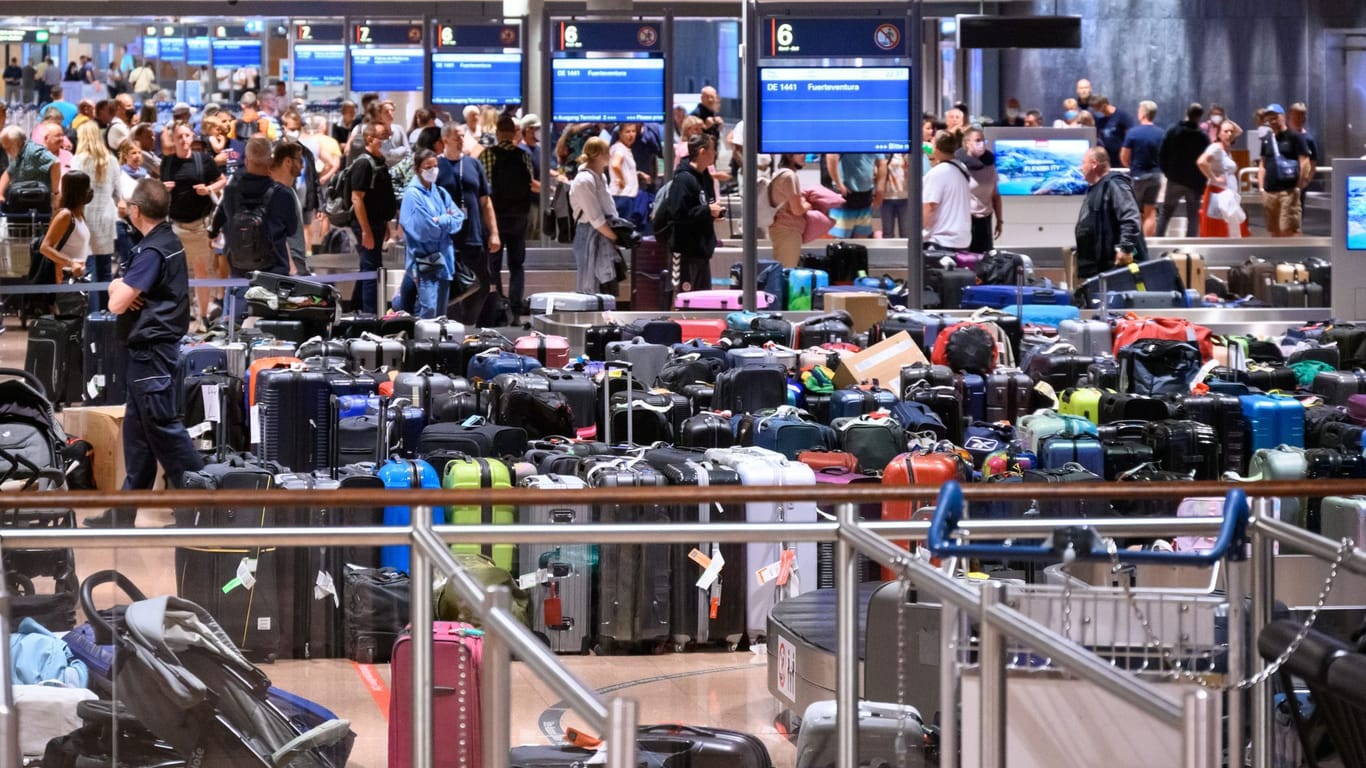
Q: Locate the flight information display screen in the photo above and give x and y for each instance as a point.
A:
(477, 78)
(172, 49)
(237, 53)
(387, 69)
(197, 51)
(607, 90)
(319, 64)
(834, 109)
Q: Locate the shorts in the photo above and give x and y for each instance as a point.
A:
(1146, 189)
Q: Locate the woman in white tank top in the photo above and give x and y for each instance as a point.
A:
(95, 160)
(67, 242)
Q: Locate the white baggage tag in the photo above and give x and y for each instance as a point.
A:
(210, 394)
(198, 430)
(246, 576)
(92, 388)
(529, 580)
(325, 586)
(712, 571)
(255, 427)
(550, 310)
(768, 572)
(598, 758)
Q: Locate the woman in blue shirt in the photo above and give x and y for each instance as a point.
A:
(429, 218)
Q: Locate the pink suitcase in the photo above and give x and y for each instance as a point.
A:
(731, 299)
(456, 661)
(552, 351)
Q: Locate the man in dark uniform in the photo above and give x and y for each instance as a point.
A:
(152, 300)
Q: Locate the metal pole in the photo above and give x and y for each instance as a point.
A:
(949, 620)
(846, 650)
(915, 270)
(992, 660)
(495, 685)
(1199, 741)
(1237, 653)
(621, 733)
(749, 216)
(421, 615)
(1263, 592)
(10, 754)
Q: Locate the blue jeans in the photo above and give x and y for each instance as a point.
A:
(101, 271)
(371, 259)
(432, 296)
(894, 218)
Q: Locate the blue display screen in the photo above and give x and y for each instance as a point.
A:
(151, 47)
(197, 51)
(387, 69)
(477, 78)
(320, 64)
(172, 49)
(1356, 213)
(834, 109)
(607, 90)
(237, 53)
(1040, 166)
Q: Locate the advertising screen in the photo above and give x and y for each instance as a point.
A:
(799, 109)
(1356, 213)
(172, 49)
(237, 53)
(387, 69)
(477, 78)
(197, 51)
(319, 64)
(607, 90)
(1040, 166)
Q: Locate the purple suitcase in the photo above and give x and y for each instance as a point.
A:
(730, 299)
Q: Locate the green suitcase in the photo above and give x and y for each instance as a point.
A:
(472, 474)
(1082, 401)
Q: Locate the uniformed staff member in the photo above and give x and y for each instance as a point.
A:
(152, 300)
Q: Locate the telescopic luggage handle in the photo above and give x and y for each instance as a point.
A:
(948, 512)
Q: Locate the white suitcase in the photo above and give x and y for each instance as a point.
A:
(878, 726)
(761, 467)
(551, 302)
(1344, 517)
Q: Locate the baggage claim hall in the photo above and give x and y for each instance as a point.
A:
(538, 383)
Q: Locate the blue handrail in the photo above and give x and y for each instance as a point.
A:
(948, 512)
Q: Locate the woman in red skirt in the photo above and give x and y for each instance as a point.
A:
(1218, 166)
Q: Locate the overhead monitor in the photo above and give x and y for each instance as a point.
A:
(477, 78)
(388, 69)
(607, 89)
(173, 49)
(1356, 212)
(1039, 161)
(319, 64)
(236, 53)
(804, 109)
(197, 51)
(151, 47)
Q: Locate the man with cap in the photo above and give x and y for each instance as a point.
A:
(1285, 170)
(531, 144)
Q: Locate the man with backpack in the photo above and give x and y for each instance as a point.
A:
(512, 187)
(686, 214)
(258, 216)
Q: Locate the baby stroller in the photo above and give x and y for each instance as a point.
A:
(180, 676)
(31, 459)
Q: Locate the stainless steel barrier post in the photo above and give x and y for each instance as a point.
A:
(1199, 732)
(621, 733)
(949, 621)
(1234, 571)
(495, 685)
(992, 663)
(421, 615)
(846, 650)
(1263, 592)
(10, 754)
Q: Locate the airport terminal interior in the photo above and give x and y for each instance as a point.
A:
(1141, 262)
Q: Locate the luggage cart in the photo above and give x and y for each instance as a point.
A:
(17, 262)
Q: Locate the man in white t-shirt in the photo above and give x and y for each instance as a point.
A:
(947, 198)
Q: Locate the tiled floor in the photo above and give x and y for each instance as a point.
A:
(701, 688)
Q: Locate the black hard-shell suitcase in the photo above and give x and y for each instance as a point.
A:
(844, 262)
(1336, 386)
(1103, 373)
(1225, 414)
(1061, 370)
(597, 337)
(579, 392)
(635, 580)
(54, 356)
(1123, 455)
(1068, 507)
(1123, 406)
(254, 605)
(1185, 447)
(294, 417)
(1009, 394)
(440, 355)
(706, 430)
(750, 390)
(105, 360)
(946, 405)
(229, 434)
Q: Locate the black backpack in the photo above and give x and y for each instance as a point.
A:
(337, 199)
(510, 181)
(246, 236)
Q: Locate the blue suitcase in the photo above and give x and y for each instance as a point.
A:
(406, 473)
(1050, 315)
(490, 363)
(1153, 275)
(802, 285)
(1086, 451)
(972, 390)
(856, 401)
(1271, 421)
(770, 276)
(999, 296)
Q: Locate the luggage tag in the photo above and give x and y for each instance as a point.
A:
(324, 586)
(711, 567)
(246, 576)
(552, 607)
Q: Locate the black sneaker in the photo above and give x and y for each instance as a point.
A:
(111, 518)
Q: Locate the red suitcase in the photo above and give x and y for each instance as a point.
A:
(709, 331)
(456, 661)
(551, 351)
(917, 469)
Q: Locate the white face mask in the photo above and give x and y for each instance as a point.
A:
(977, 148)
(1216, 119)
(429, 175)
(292, 135)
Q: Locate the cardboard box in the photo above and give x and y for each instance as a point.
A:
(103, 427)
(867, 309)
(882, 361)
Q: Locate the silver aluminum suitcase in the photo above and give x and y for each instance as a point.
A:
(646, 359)
(1344, 517)
(564, 301)
(439, 328)
(563, 572)
(372, 353)
(1090, 337)
(271, 348)
(879, 725)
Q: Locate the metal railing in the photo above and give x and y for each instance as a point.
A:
(617, 719)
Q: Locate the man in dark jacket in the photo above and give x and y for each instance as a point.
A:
(1181, 147)
(692, 198)
(1109, 227)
